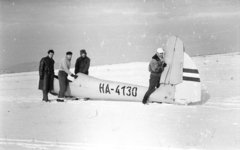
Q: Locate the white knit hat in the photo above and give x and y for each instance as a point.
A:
(160, 50)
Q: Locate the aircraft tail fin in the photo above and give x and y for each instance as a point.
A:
(180, 80)
(172, 73)
(190, 89)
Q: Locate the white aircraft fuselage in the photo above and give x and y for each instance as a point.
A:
(179, 84)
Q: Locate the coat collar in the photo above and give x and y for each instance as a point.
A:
(157, 58)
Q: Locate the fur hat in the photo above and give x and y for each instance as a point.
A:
(69, 53)
(83, 51)
(50, 51)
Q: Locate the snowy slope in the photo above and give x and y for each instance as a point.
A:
(28, 123)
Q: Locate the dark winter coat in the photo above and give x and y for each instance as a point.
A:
(156, 66)
(82, 65)
(46, 74)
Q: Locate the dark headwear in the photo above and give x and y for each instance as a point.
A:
(83, 51)
(50, 51)
(69, 53)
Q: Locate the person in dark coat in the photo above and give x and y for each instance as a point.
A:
(46, 74)
(156, 68)
(82, 64)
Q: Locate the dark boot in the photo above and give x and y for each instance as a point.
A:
(60, 100)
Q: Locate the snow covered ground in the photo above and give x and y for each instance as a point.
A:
(214, 123)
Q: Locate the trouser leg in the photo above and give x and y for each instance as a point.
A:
(62, 77)
(152, 84)
(45, 95)
(158, 83)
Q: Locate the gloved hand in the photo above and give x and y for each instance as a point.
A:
(164, 65)
(75, 76)
(41, 77)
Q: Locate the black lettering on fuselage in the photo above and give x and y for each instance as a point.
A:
(107, 89)
(124, 91)
(101, 88)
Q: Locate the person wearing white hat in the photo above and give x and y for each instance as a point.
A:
(160, 50)
(156, 68)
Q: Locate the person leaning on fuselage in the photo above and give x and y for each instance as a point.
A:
(82, 64)
(63, 73)
(156, 68)
(46, 74)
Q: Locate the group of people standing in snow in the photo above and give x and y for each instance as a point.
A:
(46, 72)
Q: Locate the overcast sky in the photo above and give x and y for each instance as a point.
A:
(114, 31)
